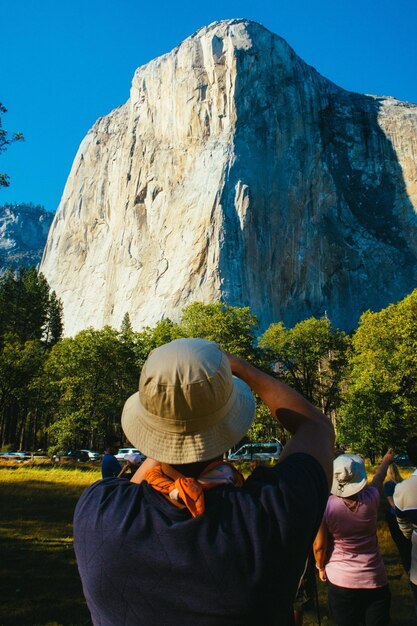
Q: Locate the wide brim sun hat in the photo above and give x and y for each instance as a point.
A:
(189, 406)
(349, 475)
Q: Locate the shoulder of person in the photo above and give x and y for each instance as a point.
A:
(298, 471)
(370, 491)
(405, 494)
(389, 483)
(332, 503)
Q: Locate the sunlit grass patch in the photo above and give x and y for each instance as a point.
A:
(67, 475)
(41, 582)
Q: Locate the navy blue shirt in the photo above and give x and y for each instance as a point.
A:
(110, 466)
(143, 561)
(389, 488)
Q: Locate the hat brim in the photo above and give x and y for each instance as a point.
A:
(349, 489)
(178, 448)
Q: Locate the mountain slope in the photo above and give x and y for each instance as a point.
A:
(236, 172)
(23, 233)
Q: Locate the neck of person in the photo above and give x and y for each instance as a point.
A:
(190, 470)
(351, 502)
(193, 470)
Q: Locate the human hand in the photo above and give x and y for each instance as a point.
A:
(322, 575)
(389, 455)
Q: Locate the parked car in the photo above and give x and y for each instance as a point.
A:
(268, 451)
(120, 456)
(77, 456)
(402, 460)
(15, 456)
(93, 456)
(42, 454)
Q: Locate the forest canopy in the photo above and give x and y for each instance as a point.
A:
(67, 392)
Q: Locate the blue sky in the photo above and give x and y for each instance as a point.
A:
(64, 64)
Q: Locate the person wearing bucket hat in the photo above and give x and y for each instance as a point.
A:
(346, 547)
(204, 546)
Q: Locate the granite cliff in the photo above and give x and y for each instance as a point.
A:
(23, 232)
(236, 172)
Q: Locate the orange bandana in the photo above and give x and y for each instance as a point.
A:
(190, 491)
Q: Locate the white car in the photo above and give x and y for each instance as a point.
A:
(93, 456)
(120, 456)
(268, 451)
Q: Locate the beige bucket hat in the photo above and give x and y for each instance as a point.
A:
(349, 475)
(189, 407)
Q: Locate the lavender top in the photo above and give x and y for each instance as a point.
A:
(353, 558)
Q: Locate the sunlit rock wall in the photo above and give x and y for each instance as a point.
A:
(236, 172)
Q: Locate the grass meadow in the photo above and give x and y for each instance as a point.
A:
(40, 585)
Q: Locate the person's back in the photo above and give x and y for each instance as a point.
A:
(234, 553)
(355, 559)
(346, 547)
(238, 563)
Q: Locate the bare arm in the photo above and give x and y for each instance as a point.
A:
(312, 431)
(320, 549)
(381, 472)
(124, 469)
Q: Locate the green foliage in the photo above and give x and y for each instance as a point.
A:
(233, 328)
(150, 338)
(90, 377)
(30, 323)
(380, 403)
(126, 329)
(311, 357)
(20, 370)
(54, 326)
(27, 310)
(5, 141)
(264, 427)
(70, 392)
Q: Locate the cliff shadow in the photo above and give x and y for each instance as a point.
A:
(316, 213)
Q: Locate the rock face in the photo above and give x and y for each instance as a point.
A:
(236, 172)
(23, 232)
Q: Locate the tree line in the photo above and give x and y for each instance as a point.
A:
(60, 392)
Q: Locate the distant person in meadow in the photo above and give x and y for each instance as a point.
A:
(403, 543)
(405, 501)
(189, 542)
(110, 466)
(346, 548)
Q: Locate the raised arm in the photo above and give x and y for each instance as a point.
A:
(381, 472)
(312, 431)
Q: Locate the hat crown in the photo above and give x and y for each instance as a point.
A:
(349, 475)
(184, 381)
(343, 475)
(189, 406)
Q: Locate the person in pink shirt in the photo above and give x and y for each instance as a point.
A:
(346, 547)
